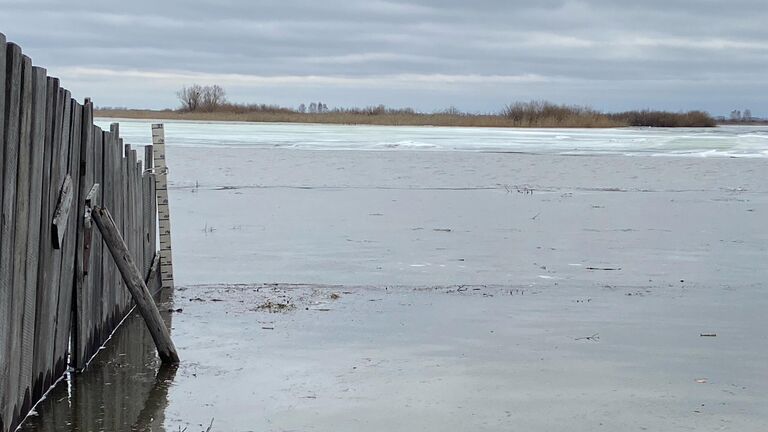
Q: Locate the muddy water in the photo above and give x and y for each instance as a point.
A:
(462, 291)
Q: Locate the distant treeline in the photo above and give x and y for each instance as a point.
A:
(210, 103)
(543, 114)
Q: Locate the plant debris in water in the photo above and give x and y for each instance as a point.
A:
(276, 306)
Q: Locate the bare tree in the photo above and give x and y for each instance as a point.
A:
(747, 115)
(213, 97)
(205, 98)
(313, 108)
(302, 108)
(190, 97)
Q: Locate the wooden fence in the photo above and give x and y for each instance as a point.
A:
(61, 295)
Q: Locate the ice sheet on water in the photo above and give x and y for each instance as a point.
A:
(725, 141)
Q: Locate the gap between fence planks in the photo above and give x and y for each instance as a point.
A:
(136, 285)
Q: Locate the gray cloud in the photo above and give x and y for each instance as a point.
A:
(428, 54)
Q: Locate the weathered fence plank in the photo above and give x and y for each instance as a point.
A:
(109, 283)
(149, 204)
(52, 270)
(138, 213)
(63, 313)
(101, 303)
(125, 194)
(7, 232)
(37, 147)
(83, 349)
(127, 204)
(69, 251)
(5, 301)
(47, 303)
(26, 325)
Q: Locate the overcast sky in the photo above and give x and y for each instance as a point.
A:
(476, 55)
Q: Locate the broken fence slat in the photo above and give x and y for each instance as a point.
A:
(61, 216)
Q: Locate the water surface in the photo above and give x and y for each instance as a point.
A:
(730, 141)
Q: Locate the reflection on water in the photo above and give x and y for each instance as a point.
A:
(124, 388)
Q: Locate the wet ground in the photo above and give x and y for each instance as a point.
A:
(448, 291)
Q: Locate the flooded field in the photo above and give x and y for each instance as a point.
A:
(440, 290)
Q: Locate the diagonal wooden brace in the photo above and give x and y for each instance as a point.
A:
(136, 285)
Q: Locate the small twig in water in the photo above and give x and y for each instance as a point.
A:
(537, 215)
(594, 338)
(210, 426)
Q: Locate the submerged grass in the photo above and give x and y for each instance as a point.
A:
(534, 114)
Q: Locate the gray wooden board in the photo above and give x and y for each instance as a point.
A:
(53, 265)
(153, 219)
(115, 157)
(149, 204)
(37, 146)
(119, 173)
(108, 199)
(126, 191)
(95, 275)
(146, 191)
(7, 230)
(128, 236)
(5, 295)
(83, 290)
(69, 258)
(118, 209)
(103, 303)
(135, 213)
(117, 206)
(139, 203)
(62, 308)
(2, 119)
(5, 301)
(44, 310)
(25, 322)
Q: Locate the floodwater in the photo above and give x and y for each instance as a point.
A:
(437, 290)
(724, 141)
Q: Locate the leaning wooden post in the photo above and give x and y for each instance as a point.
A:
(135, 283)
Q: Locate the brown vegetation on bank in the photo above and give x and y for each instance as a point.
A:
(525, 114)
(665, 119)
